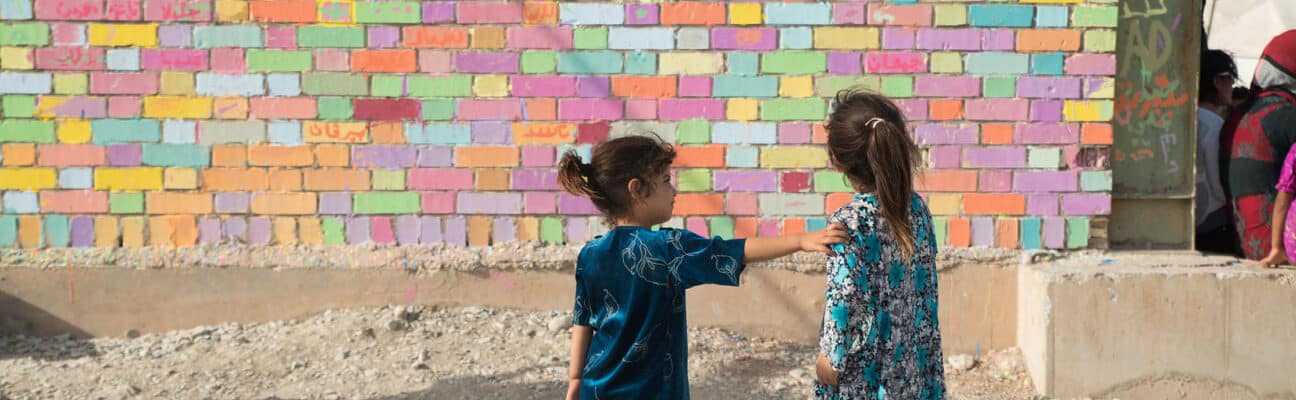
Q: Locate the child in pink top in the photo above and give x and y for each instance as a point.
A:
(1284, 223)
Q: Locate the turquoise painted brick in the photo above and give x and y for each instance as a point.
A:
(1096, 181)
(814, 224)
(311, 36)
(57, 230)
(1044, 157)
(693, 131)
(997, 64)
(999, 86)
(1047, 64)
(438, 109)
(1030, 233)
(797, 62)
(742, 156)
(640, 63)
(743, 63)
(796, 38)
(110, 131)
(213, 36)
(176, 155)
(388, 12)
(590, 62)
(25, 34)
(985, 15)
(1101, 16)
(722, 227)
(583, 150)
(8, 230)
(744, 86)
(1077, 232)
(1052, 16)
(453, 134)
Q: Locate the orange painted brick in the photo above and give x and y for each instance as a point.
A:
(66, 155)
(285, 180)
(384, 60)
(946, 110)
(18, 154)
(745, 227)
(178, 203)
(106, 231)
(540, 13)
(643, 86)
(335, 179)
(835, 201)
(693, 13)
(996, 134)
(994, 203)
(960, 232)
(284, 107)
(310, 231)
(234, 179)
(173, 230)
(699, 156)
(698, 204)
(486, 156)
(1006, 233)
(541, 109)
(818, 134)
(946, 180)
(229, 155)
(387, 132)
(1048, 40)
(488, 37)
(442, 37)
(479, 231)
(333, 155)
(282, 10)
(280, 156)
(285, 230)
(132, 231)
(493, 179)
(1096, 134)
(283, 203)
(74, 201)
(230, 107)
(528, 229)
(792, 226)
(30, 235)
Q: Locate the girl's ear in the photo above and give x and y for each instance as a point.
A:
(633, 186)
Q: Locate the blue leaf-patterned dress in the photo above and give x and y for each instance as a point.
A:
(880, 328)
(630, 287)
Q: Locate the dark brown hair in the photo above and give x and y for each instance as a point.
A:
(612, 165)
(868, 140)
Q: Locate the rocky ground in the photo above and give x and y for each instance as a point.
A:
(407, 353)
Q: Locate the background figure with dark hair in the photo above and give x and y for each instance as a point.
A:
(1215, 231)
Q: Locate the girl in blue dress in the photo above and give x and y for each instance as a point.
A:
(880, 338)
(630, 339)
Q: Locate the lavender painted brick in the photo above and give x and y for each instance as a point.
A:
(641, 14)
(335, 203)
(384, 37)
(593, 86)
(543, 86)
(537, 156)
(1046, 133)
(950, 39)
(1000, 40)
(568, 204)
(913, 109)
(746, 181)
(503, 230)
(995, 181)
(1046, 181)
(430, 230)
(1046, 111)
(947, 86)
(357, 230)
(576, 230)
(1054, 232)
(232, 202)
(995, 157)
(1086, 204)
(175, 36)
(794, 133)
(1042, 204)
(844, 63)
(456, 231)
(435, 156)
(1048, 88)
(407, 230)
(492, 132)
(486, 62)
(438, 11)
(82, 231)
(983, 230)
(945, 156)
(125, 155)
(234, 228)
(744, 38)
(535, 179)
(946, 134)
(996, 109)
(209, 229)
(382, 156)
(489, 203)
(898, 38)
(259, 231)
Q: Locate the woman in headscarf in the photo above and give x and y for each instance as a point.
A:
(1256, 140)
(1215, 232)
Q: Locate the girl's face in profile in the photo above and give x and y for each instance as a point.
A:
(658, 206)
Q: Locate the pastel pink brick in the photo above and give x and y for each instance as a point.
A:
(995, 157)
(995, 180)
(950, 39)
(539, 37)
(281, 37)
(123, 106)
(568, 204)
(73, 10)
(895, 63)
(1046, 133)
(173, 59)
(338, 60)
(177, 10)
(543, 86)
(848, 13)
(440, 179)
(695, 86)
(142, 83)
(996, 109)
(945, 156)
(122, 10)
(1045, 181)
(471, 12)
(698, 225)
(70, 58)
(1086, 204)
(491, 110)
(682, 109)
(539, 203)
(641, 109)
(433, 61)
(946, 134)
(380, 230)
(744, 38)
(742, 203)
(1091, 64)
(590, 109)
(947, 86)
(913, 109)
(228, 61)
(537, 156)
(902, 15)
(437, 202)
(74, 201)
(71, 155)
(68, 34)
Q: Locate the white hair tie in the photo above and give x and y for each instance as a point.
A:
(872, 123)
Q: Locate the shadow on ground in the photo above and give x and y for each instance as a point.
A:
(18, 317)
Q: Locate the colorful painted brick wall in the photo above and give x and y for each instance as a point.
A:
(181, 122)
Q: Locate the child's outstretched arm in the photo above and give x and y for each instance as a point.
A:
(760, 249)
(580, 347)
(1277, 255)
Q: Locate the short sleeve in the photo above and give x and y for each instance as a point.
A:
(1287, 180)
(581, 310)
(836, 335)
(696, 260)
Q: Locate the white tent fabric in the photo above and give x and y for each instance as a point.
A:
(1243, 27)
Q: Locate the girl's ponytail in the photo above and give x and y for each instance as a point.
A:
(575, 176)
(893, 157)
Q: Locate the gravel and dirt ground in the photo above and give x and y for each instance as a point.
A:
(411, 353)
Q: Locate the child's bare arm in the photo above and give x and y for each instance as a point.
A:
(580, 347)
(768, 248)
(1277, 255)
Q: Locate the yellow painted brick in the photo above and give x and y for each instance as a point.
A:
(745, 14)
(944, 204)
(951, 15)
(793, 157)
(132, 231)
(742, 109)
(231, 11)
(180, 178)
(946, 62)
(29, 232)
(73, 131)
(160, 231)
(71, 83)
(796, 86)
(309, 230)
(128, 179)
(16, 58)
(831, 37)
(27, 178)
(1100, 88)
(177, 83)
(177, 107)
(691, 63)
(491, 86)
(106, 232)
(134, 35)
(1087, 110)
(528, 229)
(285, 230)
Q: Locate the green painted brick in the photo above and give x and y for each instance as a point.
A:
(694, 180)
(590, 38)
(126, 203)
(1044, 157)
(1101, 16)
(215, 36)
(951, 15)
(313, 36)
(388, 12)
(334, 84)
(946, 63)
(809, 109)
(438, 109)
(551, 230)
(831, 182)
(1077, 232)
(334, 108)
(744, 86)
(259, 60)
(794, 62)
(722, 227)
(999, 86)
(1100, 41)
(693, 131)
(640, 63)
(386, 85)
(25, 34)
(590, 62)
(421, 86)
(388, 179)
(26, 130)
(57, 231)
(1096, 181)
(828, 86)
(8, 230)
(110, 131)
(176, 155)
(539, 62)
(743, 63)
(334, 231)
(17, 106)
(940, 225)
(898, 86)
(992, 63)
(386, 203)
